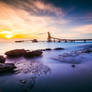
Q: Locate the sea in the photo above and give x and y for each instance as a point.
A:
(51, 72)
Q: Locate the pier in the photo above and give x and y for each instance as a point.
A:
(55, 39)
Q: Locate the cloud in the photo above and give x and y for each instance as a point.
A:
(83, 29)
(34, 18)
(80, 32)
(48, 9)
(36, 7)
(21, 21)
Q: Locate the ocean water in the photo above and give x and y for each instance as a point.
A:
(6, 46)
(52, 72)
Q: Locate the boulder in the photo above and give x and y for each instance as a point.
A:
(42, 49)
(48, 49)
(87, 51)
(2, 59)
(58, 48)
(73, 65)
(32, 54)
(15, 53)
(6, 67)
(34, 40)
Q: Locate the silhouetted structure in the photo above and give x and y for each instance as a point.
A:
(54, 39)
(49, 37)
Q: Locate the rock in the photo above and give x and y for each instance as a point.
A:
(2, 59)
(19, 41)
(58, 48)
(23, 81)
(48, 49)
(6, 67)
(15, 53)
(34, 40)
(31, 54)
(21, 52)
(73, 65)
(87, 51)
(41, 49)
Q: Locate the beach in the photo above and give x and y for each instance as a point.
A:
(51, 72)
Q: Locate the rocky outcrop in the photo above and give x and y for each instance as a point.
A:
(15, 53)
(58, 48)
(32, 54)
(2, 59)
(73, 65)
(27, 53)
(87, 51)
(34, 40)
(6, 67)
(48, 49)
(21, 52)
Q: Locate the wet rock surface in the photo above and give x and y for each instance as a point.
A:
(58, 48)
(32, 54)
(73, 65)
(31, 67)
(15, 53)
(2, 59)
(6, 67)
(48, 49)
(21, 52)
(87, 51)
(73, 57)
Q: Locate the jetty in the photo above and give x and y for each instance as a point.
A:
(34, 41)
(55, 39)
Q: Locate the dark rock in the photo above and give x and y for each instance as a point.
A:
(31, 54)
(21, 52)
(42, 49)
(59, 49)
(87, 51)
(19, 41)
(23, 81)
(34, 40)
(73, 65)
(15, 53)
(48, 49)
(6, 67)
(2, 59)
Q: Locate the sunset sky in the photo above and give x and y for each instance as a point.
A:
(29, 19)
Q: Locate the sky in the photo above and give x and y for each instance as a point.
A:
(29, 19)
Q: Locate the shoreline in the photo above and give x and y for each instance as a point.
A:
(35, 74)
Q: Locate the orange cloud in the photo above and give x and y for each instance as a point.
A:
(24, 24)
(83, 29)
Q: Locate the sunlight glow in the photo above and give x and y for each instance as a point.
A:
(5, 32)
(9, 36)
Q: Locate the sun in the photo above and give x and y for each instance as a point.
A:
(9, 36)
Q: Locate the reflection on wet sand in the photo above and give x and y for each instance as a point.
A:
(26, 72)
(27, 84)
(34, 69)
